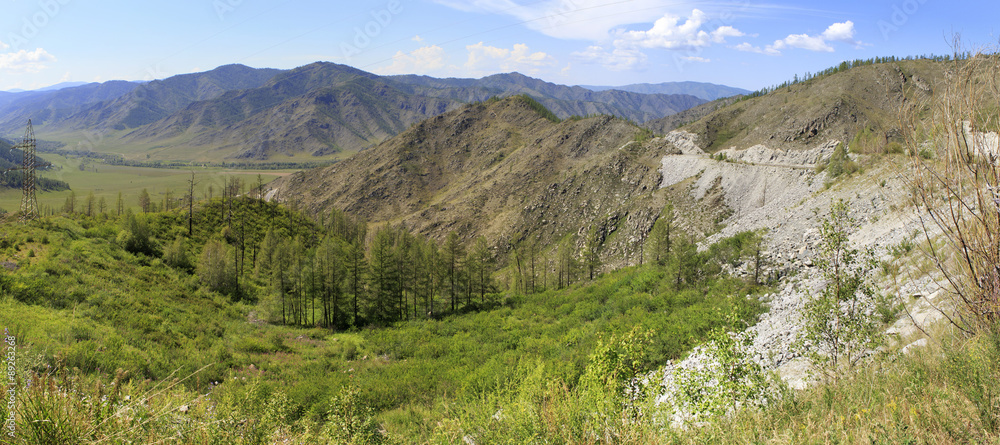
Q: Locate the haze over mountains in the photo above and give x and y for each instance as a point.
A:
(238, 112)
(703, 90)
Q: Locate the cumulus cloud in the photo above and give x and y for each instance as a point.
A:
(419, 61)
(803, 41)
(483, 58)
(25, 61)
(3, 45)
(841, 32)
(668, 32)
(838, 32)
(689, 34)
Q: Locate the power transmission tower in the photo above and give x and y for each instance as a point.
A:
(29, 203)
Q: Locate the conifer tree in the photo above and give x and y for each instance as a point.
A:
(453, 252)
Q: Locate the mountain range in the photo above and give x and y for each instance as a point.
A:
(504, 170)
(703, 90)
(317, 110)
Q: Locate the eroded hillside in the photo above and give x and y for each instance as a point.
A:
(503, 170)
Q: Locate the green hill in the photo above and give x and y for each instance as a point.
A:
(122, 309)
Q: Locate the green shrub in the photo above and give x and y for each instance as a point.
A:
(175, 255)
(350, 421)
(136, 237)
(840, 163)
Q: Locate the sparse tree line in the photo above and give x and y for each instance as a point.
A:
(666, 246)
(350, 277)
(850, 64)
(331, 271)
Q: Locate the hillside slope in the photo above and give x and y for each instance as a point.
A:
(502, 170)
(315, 111)
(57, 105)
(837, 106)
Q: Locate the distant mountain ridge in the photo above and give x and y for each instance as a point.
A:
(320, 109)
(703, 90)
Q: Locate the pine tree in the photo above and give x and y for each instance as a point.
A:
(215, 269)
(144, 201)
(70, 205)
(384, 275)
(481, 258)
(357, 269)
(660, 237)
(453, 252)
(331, 268)
(91, 204)
(591, 256)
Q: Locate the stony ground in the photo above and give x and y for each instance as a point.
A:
(782, 193)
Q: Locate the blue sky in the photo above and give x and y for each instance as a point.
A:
(740, 43)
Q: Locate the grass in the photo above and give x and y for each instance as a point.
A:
(939, 395)
(106, 181)
(97, 323)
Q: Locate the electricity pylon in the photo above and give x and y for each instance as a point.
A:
(29, 203)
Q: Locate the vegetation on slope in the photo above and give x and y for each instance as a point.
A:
(863, 96)
(128, 310)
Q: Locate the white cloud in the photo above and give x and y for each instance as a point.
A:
(419, 61)
(568, 19)
(688, 34)
(841, 32)
(837, 32)
(488, 59)
(669, 33)
(417, 38)
(756, 49)
(24, 61)
(617, 59)
(803, 41)
(720, 34)
(3, 45)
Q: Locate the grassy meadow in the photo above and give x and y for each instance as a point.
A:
(106, 181)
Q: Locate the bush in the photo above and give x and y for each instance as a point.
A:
(136, 237)
(840, 163)
(176, 256)
(217, 269)
(351, 421)
(842, 323)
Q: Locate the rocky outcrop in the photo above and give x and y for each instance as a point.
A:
(781, 193)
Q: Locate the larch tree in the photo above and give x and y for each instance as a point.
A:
(453, 252)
